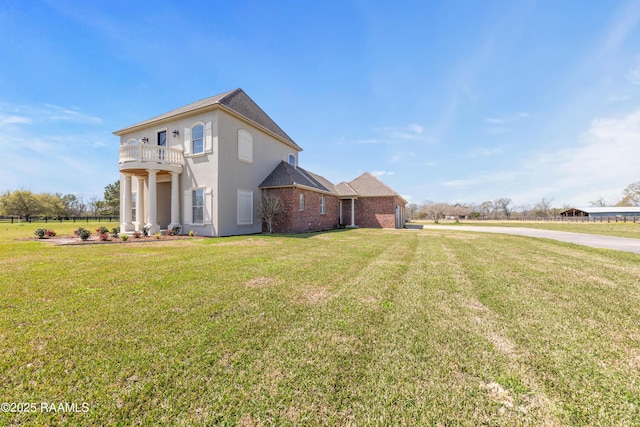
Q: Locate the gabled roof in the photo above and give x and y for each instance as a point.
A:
(344, 189)
(367, 185)
(235, 100)
(285, 175)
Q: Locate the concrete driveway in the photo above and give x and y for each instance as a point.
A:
(593, 240)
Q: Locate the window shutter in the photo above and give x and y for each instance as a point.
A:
(245, 146)
(187, 141)
(207, 138)
(208, 206)
(245, 207)
(187, 206)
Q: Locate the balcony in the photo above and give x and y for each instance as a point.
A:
(133, 157)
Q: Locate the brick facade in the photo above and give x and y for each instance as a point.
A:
(373, 212)
(310, 219)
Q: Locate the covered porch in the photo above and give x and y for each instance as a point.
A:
(150, 187)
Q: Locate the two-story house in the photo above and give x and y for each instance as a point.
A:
(203, 167)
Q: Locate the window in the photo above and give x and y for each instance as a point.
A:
(292, 160)
(245, 207)
(245, 146)
(322, 205)
(198, 139)
(197, 206)
(302, 202)
(197, 134)
(134, 202)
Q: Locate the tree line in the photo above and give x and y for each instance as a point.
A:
(26, 204)
(504, 208)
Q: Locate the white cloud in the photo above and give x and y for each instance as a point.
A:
(634, 74)
(12, 119)
(382, 173)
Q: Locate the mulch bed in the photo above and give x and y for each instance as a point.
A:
(95, 240)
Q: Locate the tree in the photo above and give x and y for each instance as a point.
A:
(270, 210)
(543, 208)
(485, 209)
(20, 203)
(435, 211)
(73, 205)
(600, 203)
(412, 209)
(51, 204)
(111, 204)
(631, 195)
(504, 205)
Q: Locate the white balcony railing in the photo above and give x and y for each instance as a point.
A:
(142, 153)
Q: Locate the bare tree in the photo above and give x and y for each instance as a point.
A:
(435, 211)
(631, 195)
(504, 205)
(600, 203)
(543, 207)
(485, 209)
(270, 210)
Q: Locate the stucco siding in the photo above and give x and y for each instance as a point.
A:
(235, 174)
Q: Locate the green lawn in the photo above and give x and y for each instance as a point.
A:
(619, 229)
(356, 327)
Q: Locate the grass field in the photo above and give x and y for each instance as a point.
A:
(353, 327)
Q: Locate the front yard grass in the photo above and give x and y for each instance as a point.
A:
(361, 327)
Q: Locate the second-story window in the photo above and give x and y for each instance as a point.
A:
(197, 135)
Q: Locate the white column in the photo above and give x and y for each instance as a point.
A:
(340, 214)
(140, 201)
(353, 212)
(125, 203)
(153, 203)
(175, 200)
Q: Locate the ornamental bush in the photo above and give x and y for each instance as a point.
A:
(83, 233)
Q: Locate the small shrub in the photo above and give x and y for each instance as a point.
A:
(40, 232)
(50, 233)
(104, 237)
(115, 231)
(176, 230)
(146, 229)
(83, 233)
(158, 235)
(102, 230)
(124, 237)
(192, 233)
(169, 232)
(137, 234)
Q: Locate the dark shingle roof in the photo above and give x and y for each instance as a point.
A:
(236, 100)
(285, 175)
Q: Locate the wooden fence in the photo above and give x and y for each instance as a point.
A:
(58, 219)
(632, 219)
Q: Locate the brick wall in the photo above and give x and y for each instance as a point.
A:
(372, 212)
(297, 221)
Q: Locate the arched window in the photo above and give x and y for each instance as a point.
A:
(197, 138)
(292, 159)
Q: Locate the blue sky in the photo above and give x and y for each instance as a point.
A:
(448, 101)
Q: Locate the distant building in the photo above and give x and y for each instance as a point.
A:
(602, 211)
